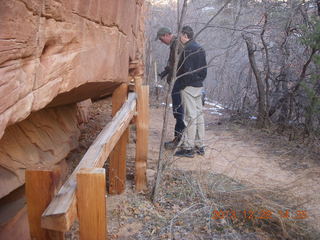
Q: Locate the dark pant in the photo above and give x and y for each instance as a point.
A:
(177, 113)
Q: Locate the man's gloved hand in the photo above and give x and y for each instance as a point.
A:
(164, 72)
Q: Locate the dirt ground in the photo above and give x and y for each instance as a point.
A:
(244, 169)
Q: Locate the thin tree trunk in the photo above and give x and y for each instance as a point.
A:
(161, 161)
(263, 119)
(267, 63)
(248, 84)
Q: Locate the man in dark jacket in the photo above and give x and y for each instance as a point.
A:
(192, 70)
(165, 36)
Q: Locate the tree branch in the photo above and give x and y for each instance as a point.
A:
(211, 19)
(295, 87)
(267, 75)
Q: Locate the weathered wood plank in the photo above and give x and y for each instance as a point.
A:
(117, 165)
(41, 186)
(142, 123)
(61, 212)
(91, 203)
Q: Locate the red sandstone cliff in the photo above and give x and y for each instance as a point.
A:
(54, 54)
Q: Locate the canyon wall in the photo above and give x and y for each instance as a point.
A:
(53, 55)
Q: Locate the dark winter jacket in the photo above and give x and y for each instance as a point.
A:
(192, 67)
(171, 58)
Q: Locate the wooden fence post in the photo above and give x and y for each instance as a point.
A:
(41, 186)
(91, 203)
(117, 166)
(142, 124)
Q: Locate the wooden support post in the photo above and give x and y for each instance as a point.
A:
(91, 203)
(142, 123)
(117, 166)
(41, 186)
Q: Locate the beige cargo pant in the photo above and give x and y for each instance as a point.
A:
(193, 117)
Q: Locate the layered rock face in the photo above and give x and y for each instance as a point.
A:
(43, 139)
(50, 48)
(54, 54)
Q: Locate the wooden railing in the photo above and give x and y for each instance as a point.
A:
(52, 212)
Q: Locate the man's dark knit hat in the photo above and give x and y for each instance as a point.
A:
(162, 31)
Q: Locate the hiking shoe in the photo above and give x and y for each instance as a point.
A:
(184, 153)
(171, 145)
(199, 151)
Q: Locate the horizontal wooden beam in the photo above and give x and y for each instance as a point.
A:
(62, 212)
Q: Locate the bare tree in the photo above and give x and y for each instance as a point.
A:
(161, 161)
(262, 96)
(246, 40)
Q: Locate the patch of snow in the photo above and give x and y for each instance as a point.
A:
(217, 105)
(216, 113)
(163, 104)
(207, 8)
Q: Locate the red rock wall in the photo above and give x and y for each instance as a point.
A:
(43, 139)
(48, 48)
(61, 52)
(54, 54)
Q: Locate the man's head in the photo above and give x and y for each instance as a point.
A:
(164, 35)
(186, 34)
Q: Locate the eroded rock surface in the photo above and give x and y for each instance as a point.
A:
(42, 140)
(48, 48)
(53, 55)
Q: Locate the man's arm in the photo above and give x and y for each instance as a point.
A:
(203, 64)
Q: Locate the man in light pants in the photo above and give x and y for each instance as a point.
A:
(192, 70)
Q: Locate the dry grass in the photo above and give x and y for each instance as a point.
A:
(188, 199)
(203, 207)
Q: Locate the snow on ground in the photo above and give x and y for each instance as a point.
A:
(214, 109)
(215, 104)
